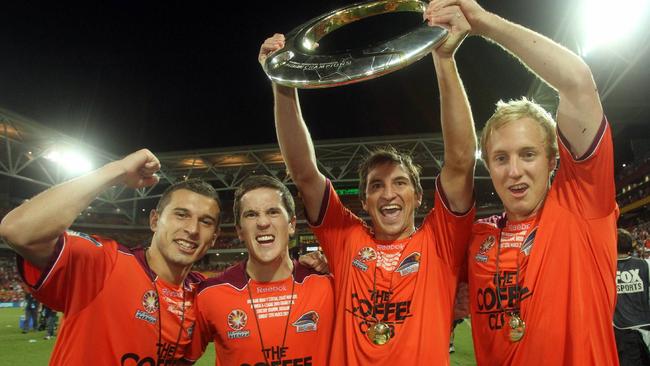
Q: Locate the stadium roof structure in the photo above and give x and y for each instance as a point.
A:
(25, 144)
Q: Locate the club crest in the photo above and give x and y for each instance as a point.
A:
(481, 256)
(307, 322)
(410, 264)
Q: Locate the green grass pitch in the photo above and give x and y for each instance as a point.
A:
(31, 349)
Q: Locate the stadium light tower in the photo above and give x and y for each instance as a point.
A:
(71, 161)
(606, 21)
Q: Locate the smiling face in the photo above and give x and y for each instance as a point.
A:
(391, 201)
(185, 229)
(265, 226)
(520, 166)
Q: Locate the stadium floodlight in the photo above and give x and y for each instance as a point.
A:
(604, 22)
(72, 162)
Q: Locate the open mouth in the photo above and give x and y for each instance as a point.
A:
(186, 246)
(518, 189)
(390, 211)
(266, 239)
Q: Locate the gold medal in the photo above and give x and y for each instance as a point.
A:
(379, 333)
(517, 328)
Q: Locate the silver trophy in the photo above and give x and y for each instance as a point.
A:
(298, 65)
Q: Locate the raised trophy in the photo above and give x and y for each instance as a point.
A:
(299, 65)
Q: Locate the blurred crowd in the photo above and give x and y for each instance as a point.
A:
(10, 288)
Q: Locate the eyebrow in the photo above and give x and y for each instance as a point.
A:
(184, 210)
(524, 148)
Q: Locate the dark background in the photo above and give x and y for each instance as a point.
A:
(184, 75)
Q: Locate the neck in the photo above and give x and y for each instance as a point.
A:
(518, 217)
(625, 255)
(408, 231)
(277, 270)
(165, 270)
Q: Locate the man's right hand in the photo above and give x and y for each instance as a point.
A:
(270, 45)
(139, 169)
(33, 228)
(471, 10)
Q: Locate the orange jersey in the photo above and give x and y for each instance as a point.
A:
(226, 317)
(415, 284)
(567, 270)
(106, 293)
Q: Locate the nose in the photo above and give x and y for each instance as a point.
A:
(514, 168)
(388, 192)
(192, 227)
(263, 221)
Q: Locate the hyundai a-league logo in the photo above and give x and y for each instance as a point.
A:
(150, 301)
(367, 254)
(237, 319)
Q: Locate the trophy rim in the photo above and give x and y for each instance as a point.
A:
(296, 65)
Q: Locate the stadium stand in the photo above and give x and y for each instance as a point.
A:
(633, 197)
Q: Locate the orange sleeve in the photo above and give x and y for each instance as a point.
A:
(586, 185)
(334, 224)
(75, 274)
(451, 230)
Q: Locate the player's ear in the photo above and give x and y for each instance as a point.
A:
(153, 220)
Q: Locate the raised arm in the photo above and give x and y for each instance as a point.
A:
(457, 175)
(294, 139)
(579, 112)
(33, 228)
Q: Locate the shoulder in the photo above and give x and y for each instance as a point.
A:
(98, 241)
(488, 223)
(135, 251)
(234, 276)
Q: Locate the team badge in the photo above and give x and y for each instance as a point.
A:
(528, 243)
(410, 264)
(481, 256)
(308, 322)
(150, 301)
(237, 320)
(366, 254)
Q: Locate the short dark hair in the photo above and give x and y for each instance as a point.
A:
(383, 155)
(195, 185)
(263, 181)
(625, 242)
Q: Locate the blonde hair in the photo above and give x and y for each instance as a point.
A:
(515, 110)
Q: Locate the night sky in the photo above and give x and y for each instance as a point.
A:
(181, 76)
